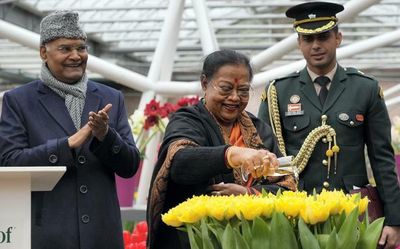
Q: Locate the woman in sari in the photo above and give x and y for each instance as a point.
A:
(207, 146)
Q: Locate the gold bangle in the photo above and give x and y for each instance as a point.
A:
(228, 158)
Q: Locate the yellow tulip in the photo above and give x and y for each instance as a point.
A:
(250, 210)
(192, 213)
(216, 209)
(290, 206)
(349, 206)
(314, 212)
(171, 219)
(268, 206)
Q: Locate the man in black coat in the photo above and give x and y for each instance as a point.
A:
(324, 95)
(64, 119)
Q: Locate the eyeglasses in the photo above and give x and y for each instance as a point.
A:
(226, 90)
(66, 49)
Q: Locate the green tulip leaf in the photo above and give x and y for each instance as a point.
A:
(246, 231)
(183, 229)
(213, 230)
(322, 240)
(339, 219)
(307, 238)
(240, 241)
(332, 240)
(217, 228)
(369, 239)
(348, 234)
(282, 235)
(228, 240)
(327, 227)
(261, 234)
(205, 236)
(192, 239)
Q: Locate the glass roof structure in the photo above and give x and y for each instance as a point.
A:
(126, 33)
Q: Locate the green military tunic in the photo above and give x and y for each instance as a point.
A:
(356, 110)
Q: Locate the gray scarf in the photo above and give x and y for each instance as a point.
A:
(74, 95)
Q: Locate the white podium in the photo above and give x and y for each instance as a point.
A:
(16, 184)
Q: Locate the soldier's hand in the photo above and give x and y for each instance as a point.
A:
(390, 237)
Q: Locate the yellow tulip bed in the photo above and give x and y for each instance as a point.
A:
(287, 220)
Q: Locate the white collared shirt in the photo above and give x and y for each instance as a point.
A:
(313, 76)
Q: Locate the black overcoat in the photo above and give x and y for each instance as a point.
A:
(82, 211)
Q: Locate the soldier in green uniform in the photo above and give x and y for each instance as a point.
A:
(326, 114)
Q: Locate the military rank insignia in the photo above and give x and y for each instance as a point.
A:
(381, 92)
(263, 95)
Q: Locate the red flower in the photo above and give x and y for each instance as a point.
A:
(152, 108)
(150, 121)
(127, 237)
(167, 109)
(183, 101)
(186, 101)
(141, 227)
(193, 100)
(137, 240)
(141, 245)
(129, 246)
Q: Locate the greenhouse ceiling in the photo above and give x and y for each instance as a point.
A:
(127, 32)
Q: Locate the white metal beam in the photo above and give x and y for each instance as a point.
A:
(392, 90)
(160, 69)
(392, 101)
(207, 34)
(260, 79)
(118, 74)
(343, 52)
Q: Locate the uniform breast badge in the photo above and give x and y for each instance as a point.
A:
(294, 109)
(344, 116)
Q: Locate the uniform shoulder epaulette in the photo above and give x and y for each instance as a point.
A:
(292, 75)
(264, 93)
(355, 71)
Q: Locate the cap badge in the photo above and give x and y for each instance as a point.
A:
(312, 16)
(360, 117)
(294, 99)
(344, 116)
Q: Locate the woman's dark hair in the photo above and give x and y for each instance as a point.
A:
(220, 58)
